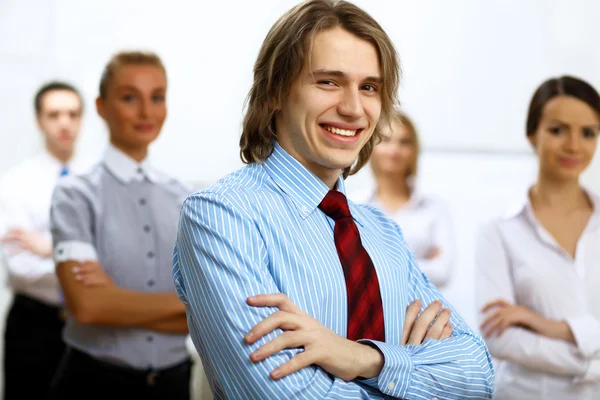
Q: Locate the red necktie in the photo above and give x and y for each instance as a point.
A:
(365, 308)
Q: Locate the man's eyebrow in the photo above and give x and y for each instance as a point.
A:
(341, 74)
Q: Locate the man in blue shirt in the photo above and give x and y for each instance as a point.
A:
(291, 291)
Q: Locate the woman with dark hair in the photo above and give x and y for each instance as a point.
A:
(424, 219)
(537, 266)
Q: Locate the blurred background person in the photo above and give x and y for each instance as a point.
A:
(424, 219)
(537, 266)
(32, 339)
(114, 231)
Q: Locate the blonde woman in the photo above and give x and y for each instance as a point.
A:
(424, 219)
(113, 230)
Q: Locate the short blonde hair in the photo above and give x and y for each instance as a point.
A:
(399, 118)
(282, 57)
(127, 58)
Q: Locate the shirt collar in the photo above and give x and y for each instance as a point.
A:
(304, 188)
(125, 169)
(52, 163)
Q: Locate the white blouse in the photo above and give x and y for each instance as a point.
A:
(426, 224)
(519, 261)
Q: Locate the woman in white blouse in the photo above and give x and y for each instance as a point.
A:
(539, 265)
(424, 219)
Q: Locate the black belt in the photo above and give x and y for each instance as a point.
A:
(149, 375)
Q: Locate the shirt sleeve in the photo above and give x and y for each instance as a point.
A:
(586, 330)
(220, 259)
(518, 344)
(24, 267)
(71, 223)
(457, 367)
(439, 269)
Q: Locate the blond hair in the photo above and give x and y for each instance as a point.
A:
(282, 57)
(123, 58)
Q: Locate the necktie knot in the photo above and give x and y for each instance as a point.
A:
(64, 171)
(335, 205)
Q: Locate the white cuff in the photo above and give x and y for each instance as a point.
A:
(592, 373)
(586, 330)
(73, 250)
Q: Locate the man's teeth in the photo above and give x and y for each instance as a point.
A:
(342, 132)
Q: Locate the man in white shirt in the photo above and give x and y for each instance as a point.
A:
(32, 343)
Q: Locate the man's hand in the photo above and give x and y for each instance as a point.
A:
(337, 355)
(21, 240)
(91, 273)
(506, 315)
(431, 324)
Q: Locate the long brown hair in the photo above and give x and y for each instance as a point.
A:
(282, 57)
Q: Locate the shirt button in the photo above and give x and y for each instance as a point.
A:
(150, 254)
(140, 170)
(142, 202)
(147, 228)
(150, 283)
(150, 338)
(391, 386)
(60, 251)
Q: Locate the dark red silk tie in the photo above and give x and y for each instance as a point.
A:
(365, 308)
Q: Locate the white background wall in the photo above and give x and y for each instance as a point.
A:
(469, 70)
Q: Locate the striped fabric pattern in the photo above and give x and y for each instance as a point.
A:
(259, 230)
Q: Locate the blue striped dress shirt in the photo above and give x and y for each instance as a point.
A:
(259, 230)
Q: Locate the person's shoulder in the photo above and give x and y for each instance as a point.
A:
(86, 184)
(241, 188)
(172, 184)
(372, 214)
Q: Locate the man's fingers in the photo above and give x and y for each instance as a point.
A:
(278, 300)
(423, 323)
(435, 331)
(447, 332)
(279, 319)
(299, 361)
(287, 340)
(412, 311)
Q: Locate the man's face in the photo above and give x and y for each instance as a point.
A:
(333, 106)
(60, 119)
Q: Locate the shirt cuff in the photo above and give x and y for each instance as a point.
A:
(73, 250)
(592, 373)
(586, 330)
(394, 378)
